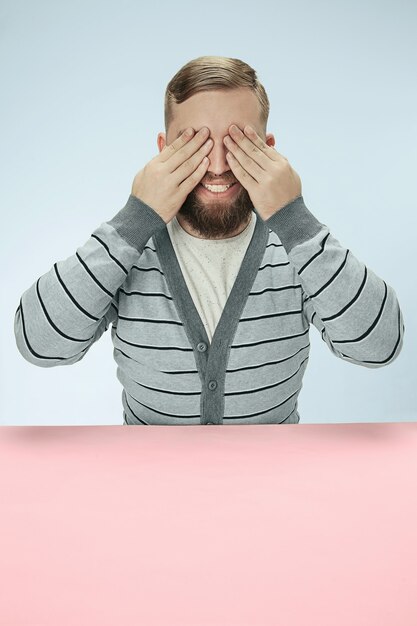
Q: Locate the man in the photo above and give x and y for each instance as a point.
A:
(211, 294)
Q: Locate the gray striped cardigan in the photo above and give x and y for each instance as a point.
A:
(294, 273)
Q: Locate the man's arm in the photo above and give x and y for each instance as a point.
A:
(356, 312)
(67, 309)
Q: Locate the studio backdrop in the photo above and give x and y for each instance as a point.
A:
(82, 104)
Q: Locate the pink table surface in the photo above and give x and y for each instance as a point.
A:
(299, 524)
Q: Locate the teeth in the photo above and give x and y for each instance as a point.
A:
(217, 188)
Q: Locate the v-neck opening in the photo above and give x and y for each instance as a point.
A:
(188, 313)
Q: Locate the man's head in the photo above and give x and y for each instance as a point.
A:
(215, 92)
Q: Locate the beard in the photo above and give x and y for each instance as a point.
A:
(217, 219)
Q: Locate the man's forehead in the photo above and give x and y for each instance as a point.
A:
(238, 106)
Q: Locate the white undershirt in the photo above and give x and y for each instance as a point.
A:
(209, 267)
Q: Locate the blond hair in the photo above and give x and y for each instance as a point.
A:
(213, 72)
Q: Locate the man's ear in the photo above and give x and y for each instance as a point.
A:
(161, 141)
(269, 139)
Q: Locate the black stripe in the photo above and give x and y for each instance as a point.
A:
(194, 416)
(148, 269)
(332, 278)
(232, 417)
(243, 345)
(162, 371)
(149, 321)
(372, 326)
(29, 347)
(395, 347)
(87, 269)
(252, 367)
(332, 317)
(244, 319)
(322, 244)
(163, 295)
(258, 293)
(92, 317)
(267, 411)
(258, 343)
(103, 243)
(268, 315)
(231, 393)
(239, 369)
(134, 415)
(277, 423)
(281, 382)
(170, 393)
(159, 412)
(140, 345)
(273, 265)
(52, 323)
(142, 293)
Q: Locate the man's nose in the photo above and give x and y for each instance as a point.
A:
(217, 157)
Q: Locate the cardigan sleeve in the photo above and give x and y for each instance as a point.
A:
(356, 312)
(67, 309)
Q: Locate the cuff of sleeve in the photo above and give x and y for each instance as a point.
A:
(137, 222)
(294, 224)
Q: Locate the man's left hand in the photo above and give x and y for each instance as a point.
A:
(267, 175)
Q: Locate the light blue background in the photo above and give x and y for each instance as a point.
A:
(82, 88)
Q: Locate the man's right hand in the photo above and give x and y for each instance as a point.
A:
(165, 182)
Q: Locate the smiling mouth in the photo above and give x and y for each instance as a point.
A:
(211, 189)
(219, 184)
